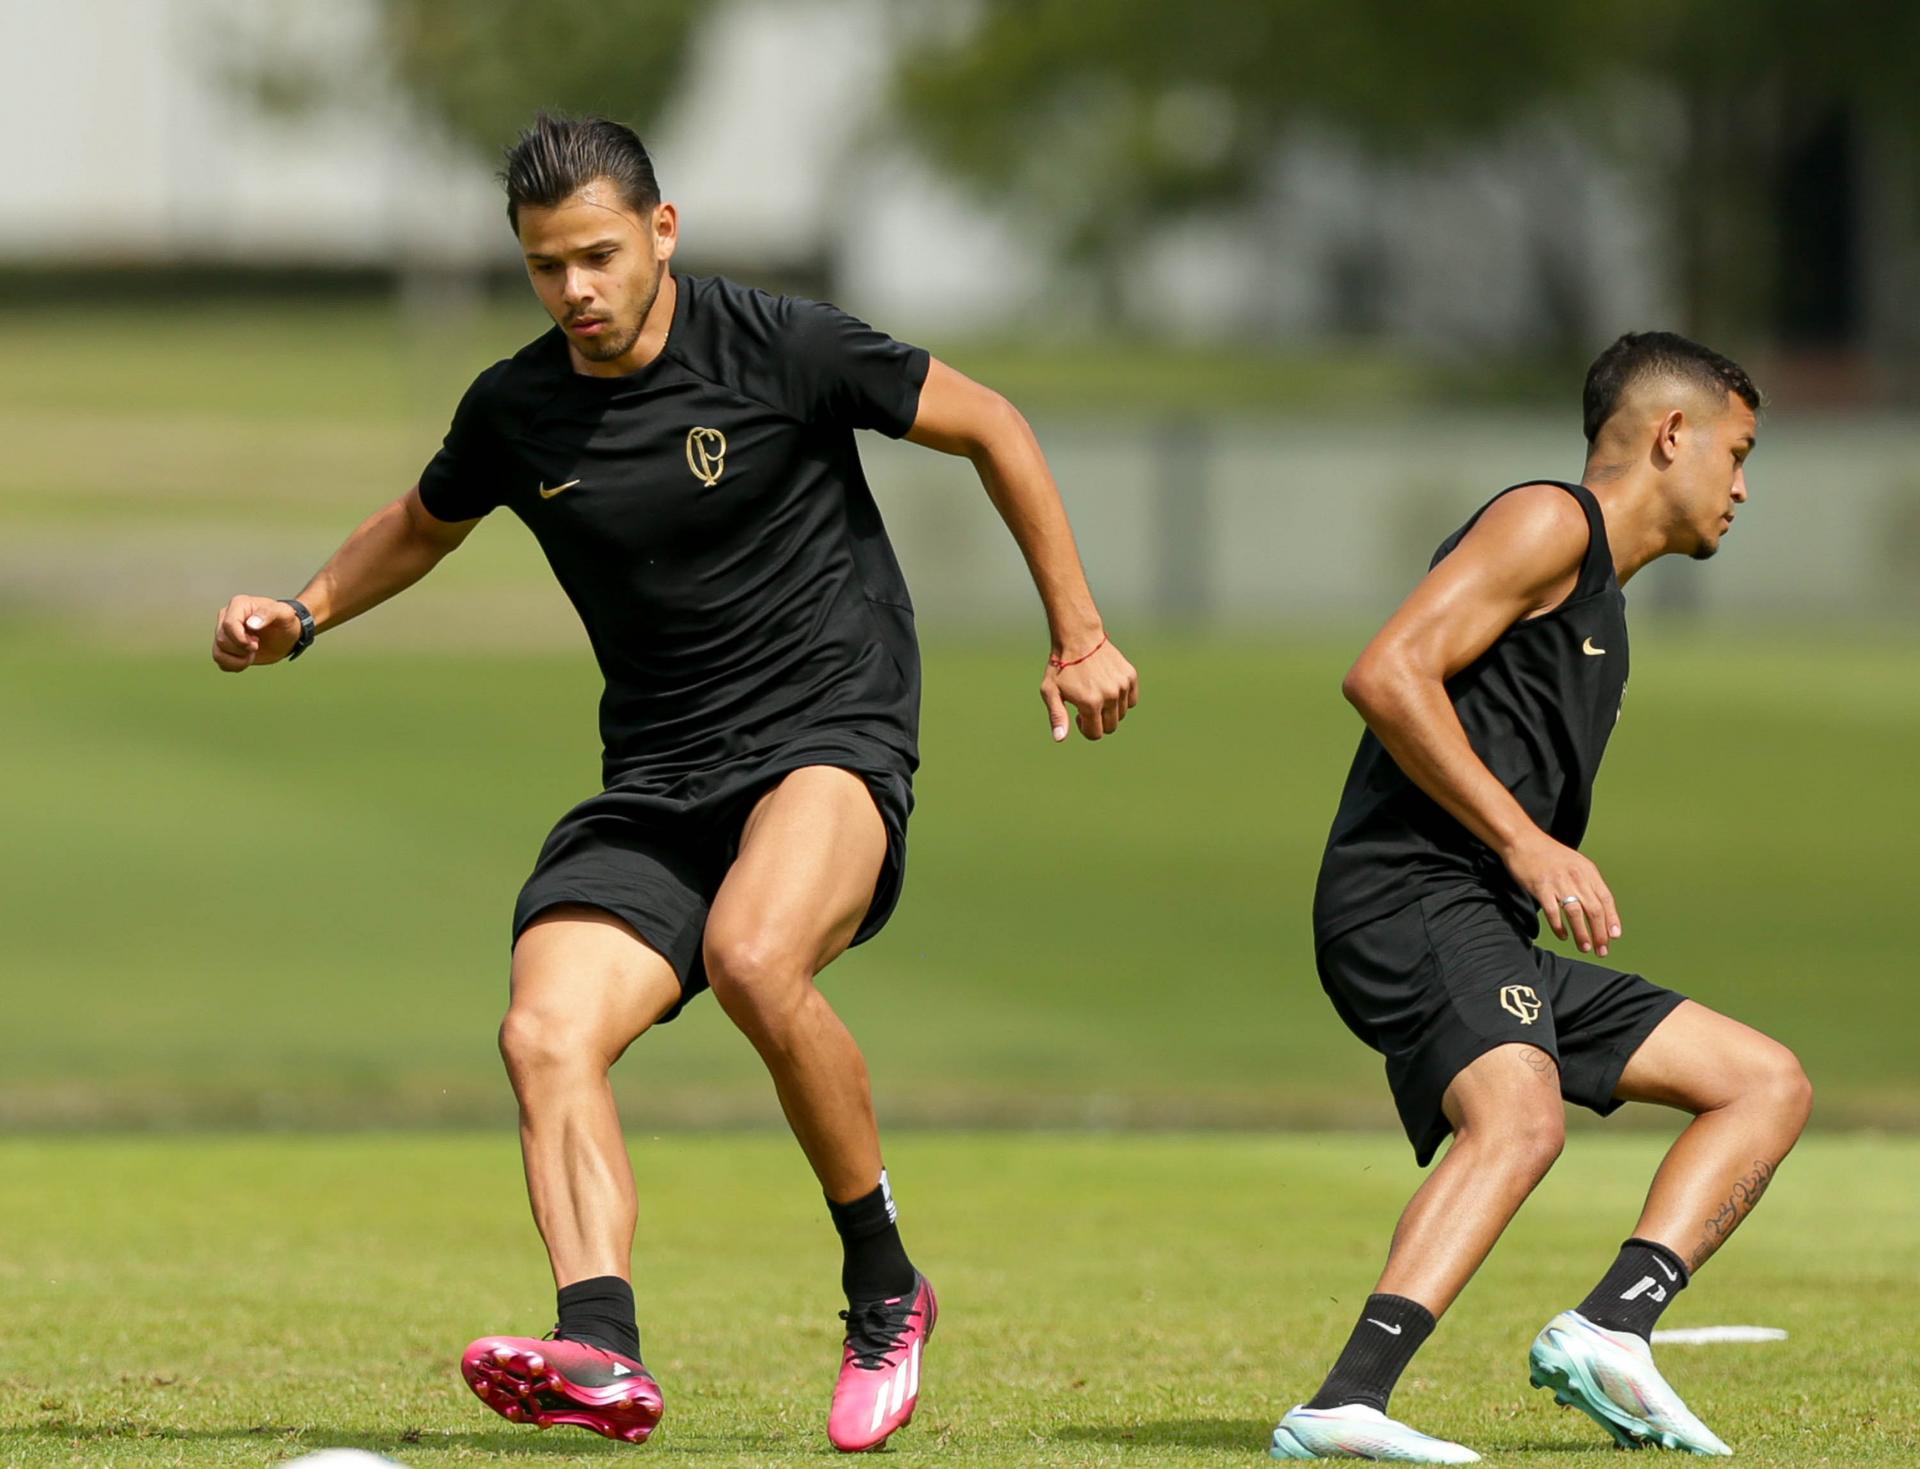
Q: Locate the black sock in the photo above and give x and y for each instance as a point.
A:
(876, 1267)
(1642, 1283)
(600, 1313)
(1389, 1332)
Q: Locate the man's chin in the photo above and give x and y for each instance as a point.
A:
(605, 349)
(597, 349)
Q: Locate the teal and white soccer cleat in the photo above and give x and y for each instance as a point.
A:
(1610, 1376)
(1355, 1431)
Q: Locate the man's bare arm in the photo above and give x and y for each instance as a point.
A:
(1522, 557)
(390, 551)
(959, 416)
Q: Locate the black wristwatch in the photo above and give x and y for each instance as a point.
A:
(307, 630)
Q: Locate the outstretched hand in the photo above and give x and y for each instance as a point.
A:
(254, 630)
(1101, 686)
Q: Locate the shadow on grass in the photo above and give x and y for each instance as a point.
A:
(307, 1440)
(1200, 1435)
(1210, 1435)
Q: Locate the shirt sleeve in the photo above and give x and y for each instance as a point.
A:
(465, 479)
(839, 370)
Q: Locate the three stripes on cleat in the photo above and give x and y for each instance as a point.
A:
(906, 1385)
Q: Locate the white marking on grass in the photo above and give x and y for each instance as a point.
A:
(1706, 1335)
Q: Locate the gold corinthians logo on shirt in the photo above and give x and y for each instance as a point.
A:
(1519, 1001)
(706, 454)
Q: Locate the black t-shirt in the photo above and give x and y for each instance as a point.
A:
(709, 519)
(1537, 707)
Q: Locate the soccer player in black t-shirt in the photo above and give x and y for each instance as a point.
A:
(683, 451)
(1489, 697)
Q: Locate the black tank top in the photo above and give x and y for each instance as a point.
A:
(1537, 707)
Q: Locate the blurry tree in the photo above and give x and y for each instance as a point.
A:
(480, 67)
(1099, 120)
(483, 66)
(1795, 178)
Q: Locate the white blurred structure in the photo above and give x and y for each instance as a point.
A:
(137, 147)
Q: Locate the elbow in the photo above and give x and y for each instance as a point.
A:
(997, 428)
(1361, 687)
(1380, 686)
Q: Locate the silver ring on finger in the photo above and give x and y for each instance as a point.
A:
(1572, 900)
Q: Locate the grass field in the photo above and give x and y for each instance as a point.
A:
(282, 898)
(1105, 1301)
(279, 902)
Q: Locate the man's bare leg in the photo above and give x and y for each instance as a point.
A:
(809, 858)
(1750, 1100)
(1508, 1128)
(584, 987)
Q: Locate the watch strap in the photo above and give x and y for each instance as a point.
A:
(307, 630)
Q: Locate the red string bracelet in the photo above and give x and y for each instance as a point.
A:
(1056, 664)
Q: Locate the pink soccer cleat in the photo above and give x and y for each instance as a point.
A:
(549, 1382)
(879, 1382)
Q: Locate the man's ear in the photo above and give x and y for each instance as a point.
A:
(665, 229)
(1666, 441)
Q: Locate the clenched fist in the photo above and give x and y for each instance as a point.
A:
(254, 630)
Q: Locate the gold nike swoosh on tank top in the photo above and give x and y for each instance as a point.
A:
(1588, 648)
(548, 494)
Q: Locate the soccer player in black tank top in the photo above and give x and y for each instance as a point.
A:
(1489, 697)
(683, 450)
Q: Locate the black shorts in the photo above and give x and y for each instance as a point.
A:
(654, 853)
(1440, 982)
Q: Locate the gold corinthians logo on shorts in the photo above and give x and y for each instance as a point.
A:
(706, 454)
(1519, 1001)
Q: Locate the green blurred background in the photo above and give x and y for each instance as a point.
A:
(281, 899)
(1280, 328)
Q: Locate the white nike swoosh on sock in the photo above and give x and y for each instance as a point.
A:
(1390, 1330)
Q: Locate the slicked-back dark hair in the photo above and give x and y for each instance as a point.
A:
(559, 155)
(1640, 355)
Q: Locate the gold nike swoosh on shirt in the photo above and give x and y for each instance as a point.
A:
(1588, 648)
(548, 494)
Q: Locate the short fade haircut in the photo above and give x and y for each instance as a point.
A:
(557, 156)
(1639, 355)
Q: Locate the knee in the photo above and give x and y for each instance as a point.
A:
(1526, 1142)
(756, 979)
(536, 1042)
(1776, 1080)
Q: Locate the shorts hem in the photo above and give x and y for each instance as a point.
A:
(692, 981)
(893, 809)
(1427, 1142)
(1623, 1053)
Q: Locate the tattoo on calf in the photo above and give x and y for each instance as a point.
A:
(1746, 1193)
